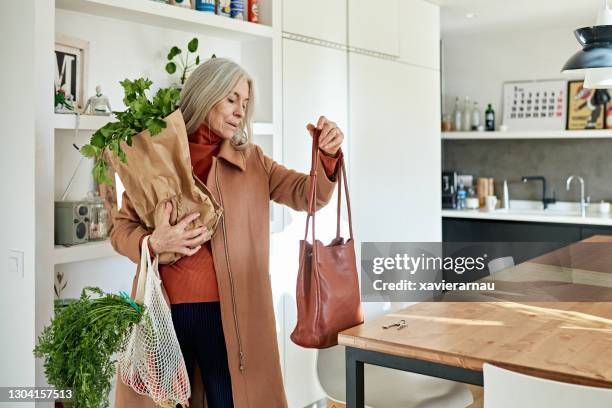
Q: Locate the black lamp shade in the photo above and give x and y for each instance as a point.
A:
(596, 50)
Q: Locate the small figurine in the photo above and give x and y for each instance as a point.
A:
(63, 103)
(98, 104)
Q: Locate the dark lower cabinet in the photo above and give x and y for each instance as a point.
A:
(548, 236)
(472, 230)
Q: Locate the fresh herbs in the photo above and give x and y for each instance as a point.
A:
(78, 345)
(141, 114)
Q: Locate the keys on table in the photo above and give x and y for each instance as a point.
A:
(399, 324)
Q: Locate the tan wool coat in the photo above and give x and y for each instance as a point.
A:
(243, 182)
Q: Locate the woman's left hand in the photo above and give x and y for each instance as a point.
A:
(331, 136)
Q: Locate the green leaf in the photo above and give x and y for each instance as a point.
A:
(198, 60)
(174, 51)
(88, 151)
(193, 45)
(98, 140)
(155, 126)
(171, 68)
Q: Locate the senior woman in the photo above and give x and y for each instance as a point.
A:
(220, 292)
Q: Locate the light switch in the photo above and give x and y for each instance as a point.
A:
(15, 262)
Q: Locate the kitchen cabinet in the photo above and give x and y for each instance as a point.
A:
(419, 33)
(559, 235)
(320, 19)
(395, 147)
(376, 27)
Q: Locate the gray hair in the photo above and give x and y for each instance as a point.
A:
(209, 84)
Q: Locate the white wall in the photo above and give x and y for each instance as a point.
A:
(17, 211)
(477, 65)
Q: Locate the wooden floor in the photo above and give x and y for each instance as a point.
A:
(476, 392)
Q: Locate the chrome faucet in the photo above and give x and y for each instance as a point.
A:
(584, 203)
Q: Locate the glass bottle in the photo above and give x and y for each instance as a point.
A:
(467, 115)
(490, 119)
(475, 117)
(457, 115)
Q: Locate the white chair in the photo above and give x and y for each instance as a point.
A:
(508, 389)
(499, 264)
(386, 387)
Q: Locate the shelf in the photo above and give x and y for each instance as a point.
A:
(92, 122)
(545, 134)
(83, 252)
(86, 122)
(167, 16)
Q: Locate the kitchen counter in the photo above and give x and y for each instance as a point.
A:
(531, 211)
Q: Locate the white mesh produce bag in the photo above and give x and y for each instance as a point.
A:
(152, 363)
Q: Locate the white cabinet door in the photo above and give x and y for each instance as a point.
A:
(314, 84)
(374, 26)
(395, 150)
(321, 19)
(420, 33)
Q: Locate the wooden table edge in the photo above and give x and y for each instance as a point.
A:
(470, 363)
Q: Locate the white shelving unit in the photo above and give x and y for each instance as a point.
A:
(172, 17)
(518, 135)
(82, 252)
(251, 36)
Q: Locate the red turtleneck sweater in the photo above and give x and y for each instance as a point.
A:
(192, 279)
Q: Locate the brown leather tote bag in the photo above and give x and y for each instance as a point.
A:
(327, 297)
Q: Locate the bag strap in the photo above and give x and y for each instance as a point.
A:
(341, 176)
(145, 267)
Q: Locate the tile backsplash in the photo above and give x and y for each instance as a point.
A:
(554, 159)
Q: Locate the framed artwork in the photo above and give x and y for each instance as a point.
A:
(71, 63)
(534, 105)
(585, 107)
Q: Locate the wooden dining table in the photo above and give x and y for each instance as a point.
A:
(547, 336)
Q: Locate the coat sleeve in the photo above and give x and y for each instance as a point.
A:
(127, 231)
(291, 188)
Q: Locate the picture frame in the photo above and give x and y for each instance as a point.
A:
(71, 68)
(583, 111)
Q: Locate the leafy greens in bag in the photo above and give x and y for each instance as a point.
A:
(141, 114)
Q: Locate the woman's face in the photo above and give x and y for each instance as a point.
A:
(225, 117)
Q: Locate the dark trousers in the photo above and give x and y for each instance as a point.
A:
(200, 334)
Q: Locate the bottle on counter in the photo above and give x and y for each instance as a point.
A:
(467, 115)
(475, 117)
(461, 196)
(457, 115)
(489, 119)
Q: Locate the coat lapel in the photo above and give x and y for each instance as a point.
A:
(231, 155)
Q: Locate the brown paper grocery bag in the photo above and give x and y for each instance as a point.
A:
(158, 170)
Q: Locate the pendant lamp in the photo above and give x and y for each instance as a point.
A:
(595, 58)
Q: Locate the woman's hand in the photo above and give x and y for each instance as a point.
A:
(331, 136)
(174, 238)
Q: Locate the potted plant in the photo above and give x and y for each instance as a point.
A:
(183, 63)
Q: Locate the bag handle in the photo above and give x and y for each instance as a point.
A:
(341, 176)
(146, 266)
